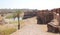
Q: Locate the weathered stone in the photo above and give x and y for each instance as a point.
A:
(44, 17)
(54, 26)
(29, 14)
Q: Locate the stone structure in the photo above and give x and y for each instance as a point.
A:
(44, 16)
(29, 14)
(54, 25)
(51, 18)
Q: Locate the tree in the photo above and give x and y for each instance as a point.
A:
(18, 15)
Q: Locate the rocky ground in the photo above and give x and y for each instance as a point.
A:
(32, 28)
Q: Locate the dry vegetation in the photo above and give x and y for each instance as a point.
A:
(7, 29)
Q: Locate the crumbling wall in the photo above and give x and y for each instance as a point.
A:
(29, 14)
(44, 16)
(54, 26)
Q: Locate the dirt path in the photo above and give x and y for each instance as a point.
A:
(31, 28)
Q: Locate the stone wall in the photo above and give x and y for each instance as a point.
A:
(29, 14)
(44, 16)
(54, 26)
(57, 10)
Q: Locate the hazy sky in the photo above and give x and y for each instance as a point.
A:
(31, 4)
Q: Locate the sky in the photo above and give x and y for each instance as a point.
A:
(30, 4)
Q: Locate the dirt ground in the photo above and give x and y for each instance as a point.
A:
(32, 28)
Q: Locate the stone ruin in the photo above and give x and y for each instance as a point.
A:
(54, 25)
(51, 18)
(44, 16)
(29, 14)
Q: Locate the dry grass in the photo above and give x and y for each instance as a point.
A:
(22, 24)
(6, 30)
